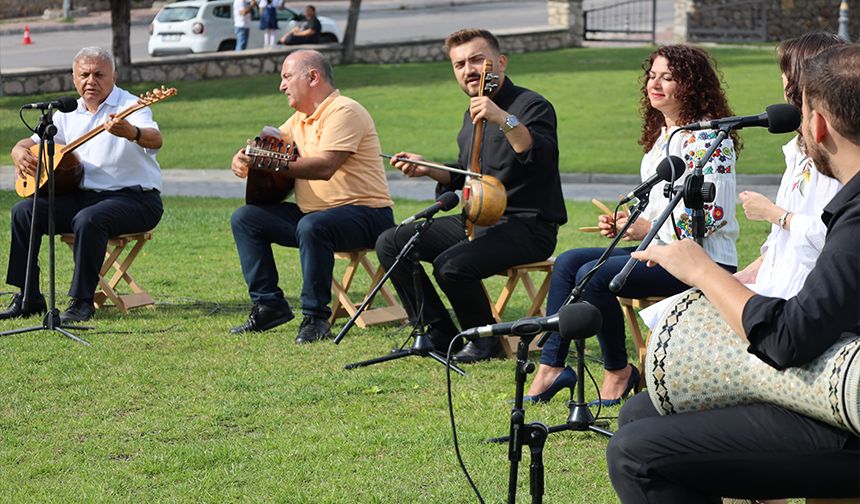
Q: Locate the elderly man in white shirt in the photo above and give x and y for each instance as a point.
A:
(119, 192)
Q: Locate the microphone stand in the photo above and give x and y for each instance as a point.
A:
(580, 418)
(422, 346)
(46, 130)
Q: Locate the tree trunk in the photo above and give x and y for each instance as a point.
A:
(120, 20)
(351, 28)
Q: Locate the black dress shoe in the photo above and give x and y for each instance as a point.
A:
(36, 306)
(480, 349)
(263, 318)
(313, 329)
(441, 339)
(79, 310)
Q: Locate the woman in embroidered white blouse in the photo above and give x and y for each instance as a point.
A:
(680, 86)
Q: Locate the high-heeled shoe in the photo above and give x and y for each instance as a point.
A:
(632, 384)
(567, 379)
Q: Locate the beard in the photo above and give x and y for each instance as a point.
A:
(820, 158)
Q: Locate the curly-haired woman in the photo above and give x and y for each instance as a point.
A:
(680, 86)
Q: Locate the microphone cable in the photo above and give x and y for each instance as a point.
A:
(454, 424)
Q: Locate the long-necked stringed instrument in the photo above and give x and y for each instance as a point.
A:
(484, 197)
(268, 181)
(67, 164)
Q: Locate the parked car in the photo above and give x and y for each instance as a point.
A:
(197, 26)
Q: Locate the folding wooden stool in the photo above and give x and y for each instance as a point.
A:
(114, 260)
(517, 275)
(630, 306)
(344, 306)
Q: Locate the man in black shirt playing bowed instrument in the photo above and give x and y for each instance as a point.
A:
(520, 148)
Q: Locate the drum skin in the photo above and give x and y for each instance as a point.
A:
(695, 362)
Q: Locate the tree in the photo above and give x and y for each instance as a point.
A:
(351, 28)
(120, 21)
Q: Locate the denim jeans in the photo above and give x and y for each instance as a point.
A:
(569, 269)
(317, 235)
(242, 38)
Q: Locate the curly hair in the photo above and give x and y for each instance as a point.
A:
(698, 90)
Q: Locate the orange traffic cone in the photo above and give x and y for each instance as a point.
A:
(27, 40)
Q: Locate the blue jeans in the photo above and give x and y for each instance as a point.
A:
(241, 38)
(317, 235)
(569, 269)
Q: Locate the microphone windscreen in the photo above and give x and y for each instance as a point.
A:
(579, 320)
(448, 201)
(671, 168)
(782, 118)
(67, 103)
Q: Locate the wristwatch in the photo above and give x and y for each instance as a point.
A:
(783, 220)
(137, 136)
(510, 123)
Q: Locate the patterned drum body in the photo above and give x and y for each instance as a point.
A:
(695, 362)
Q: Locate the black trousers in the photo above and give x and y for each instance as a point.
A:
(93, 217)
(758, 451)
(460, 264)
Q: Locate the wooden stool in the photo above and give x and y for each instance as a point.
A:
(537, 296)
(344, 306)
(116, 246)
(629, 306)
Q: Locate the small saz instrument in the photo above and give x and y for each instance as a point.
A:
(484, 197)
(67, 164)
(268, 181)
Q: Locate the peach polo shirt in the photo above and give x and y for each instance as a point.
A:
(340, 124)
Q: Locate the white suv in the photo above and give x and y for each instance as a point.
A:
(196, 26)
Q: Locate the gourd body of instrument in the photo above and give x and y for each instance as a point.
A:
(695, 362)
(68, 169)
(484, 198)
(268, 181)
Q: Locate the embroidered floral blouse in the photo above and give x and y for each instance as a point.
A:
(721, 225)
(789, 255)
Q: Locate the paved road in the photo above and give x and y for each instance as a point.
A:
(577, 187)
(56, 49)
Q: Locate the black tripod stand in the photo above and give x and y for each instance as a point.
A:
(422, 346)
(46, 130)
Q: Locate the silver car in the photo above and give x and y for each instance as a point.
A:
(198, 26)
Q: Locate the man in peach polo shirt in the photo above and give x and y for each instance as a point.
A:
(342, 199)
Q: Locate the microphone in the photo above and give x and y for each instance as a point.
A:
(778, 118)
(63, 104)
(579, 320)
(668, 170)
(443, 203)
(529, 326)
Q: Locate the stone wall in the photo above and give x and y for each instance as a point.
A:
(30, 8)
(169, 70)
(755, 20)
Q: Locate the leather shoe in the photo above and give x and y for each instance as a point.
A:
(441, 339)
(313, 329)
(480, 349)
(632, 384)
(263, 317)
(79, 310)
(36, 306)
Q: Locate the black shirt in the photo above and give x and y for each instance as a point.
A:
(793, 332)
(530, 178)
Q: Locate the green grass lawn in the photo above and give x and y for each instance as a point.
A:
(167, 406)
(418, 107)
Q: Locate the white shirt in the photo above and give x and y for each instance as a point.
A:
(241, 20)
(789, 255)
(110, 162)
(721, 225)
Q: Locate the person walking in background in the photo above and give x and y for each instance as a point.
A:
(269, 21)
(242, 21)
